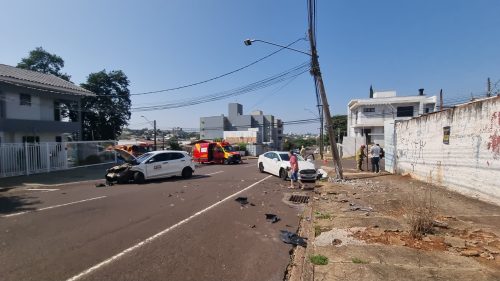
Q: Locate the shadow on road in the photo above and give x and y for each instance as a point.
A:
(12, 204)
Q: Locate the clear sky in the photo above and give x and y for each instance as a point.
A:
(390, 44)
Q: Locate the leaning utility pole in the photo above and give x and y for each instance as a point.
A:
(316, 72)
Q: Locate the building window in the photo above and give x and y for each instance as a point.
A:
(31, 139)
(405, 111)
(25, 99)
(369, 109)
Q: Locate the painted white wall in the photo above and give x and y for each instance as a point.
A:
(469, 164)
(16, 111)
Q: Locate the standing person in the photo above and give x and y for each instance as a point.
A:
(294, 173)
(375, 153)
(303, 152)
(360, 154)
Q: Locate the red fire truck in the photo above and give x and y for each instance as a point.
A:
(215, 152)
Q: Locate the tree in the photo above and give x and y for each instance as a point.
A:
(105, 115)
(340, 127)
(174, 144)
(45, 62)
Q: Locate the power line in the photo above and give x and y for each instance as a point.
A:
(218, 76)
(289, 74)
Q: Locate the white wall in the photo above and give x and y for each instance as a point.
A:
(16, 111)
(469, 164)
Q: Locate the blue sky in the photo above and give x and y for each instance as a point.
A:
(393, 45)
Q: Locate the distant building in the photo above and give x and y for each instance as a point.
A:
(265, 129)
(366, 117)
(38, 107)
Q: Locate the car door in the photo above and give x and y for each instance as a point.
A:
(176, 162)
(274, 162)
(157, 166)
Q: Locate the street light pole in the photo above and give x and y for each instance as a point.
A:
(316, 73)
(154, 129)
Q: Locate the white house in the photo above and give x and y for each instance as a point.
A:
(38, 107)
(366, 117)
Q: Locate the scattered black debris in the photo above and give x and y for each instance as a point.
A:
(292, 238)
(241, 200)
(100, 185)
(252, 226)
(287, 225)
(170, 195)
(63, 192)
(299, 199)
(272, 218)
(336, 242)
(252, 204)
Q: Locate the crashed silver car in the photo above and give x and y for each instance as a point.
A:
(151, 165)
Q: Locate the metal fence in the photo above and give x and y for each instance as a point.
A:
(32, 158)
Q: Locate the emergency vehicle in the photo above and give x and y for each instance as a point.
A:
(215, 152)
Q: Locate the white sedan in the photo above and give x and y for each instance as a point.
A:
(151, 165)
(277, 162)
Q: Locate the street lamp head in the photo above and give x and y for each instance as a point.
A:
(248, 42)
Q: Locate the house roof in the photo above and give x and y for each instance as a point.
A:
(391, 100)
(40, 81)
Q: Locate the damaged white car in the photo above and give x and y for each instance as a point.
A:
(151, 165)
(278, 163)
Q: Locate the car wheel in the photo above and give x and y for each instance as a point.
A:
(139, 178)
(226, 162)
(283, 174)
(187, 172)
(261, 167)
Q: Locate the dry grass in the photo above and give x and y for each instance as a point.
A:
(420, 214)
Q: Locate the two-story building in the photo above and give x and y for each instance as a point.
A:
(366, 117)
(38, 107)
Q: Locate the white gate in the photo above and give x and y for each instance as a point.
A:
(31, 158)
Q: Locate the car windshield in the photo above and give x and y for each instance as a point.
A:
(285, 157)
(228, 148)
(143, 157)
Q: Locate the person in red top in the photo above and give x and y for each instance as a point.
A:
(294, 173)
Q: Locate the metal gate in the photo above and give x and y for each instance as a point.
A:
(390, 146)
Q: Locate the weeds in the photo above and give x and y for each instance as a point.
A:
(323, 216)
(318, 230)
(420, 214)
(319, 260)
(359, 261)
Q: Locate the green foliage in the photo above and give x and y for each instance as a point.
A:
(359, 261)
(292, 143)
(174, 144)
(45, 62)
(317, 230)
(319, 260)
(323, 216)
(242, 146)
(217, 139)
(339, 127)
(105, 115)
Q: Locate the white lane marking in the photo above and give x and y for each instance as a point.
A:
(52, 207)
(150, 239)
(42, 189)
(214, 173)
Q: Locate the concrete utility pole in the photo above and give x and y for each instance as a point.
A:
(441, 100)
(316, 72)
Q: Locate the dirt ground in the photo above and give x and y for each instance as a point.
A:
(390, 227)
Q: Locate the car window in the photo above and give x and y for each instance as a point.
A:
(144, 157)
(284, 157)
(174, 156)
(160, 157)
(268, 155)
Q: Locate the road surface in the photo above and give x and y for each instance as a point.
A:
(171, 229)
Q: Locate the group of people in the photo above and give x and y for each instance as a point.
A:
(376, 153)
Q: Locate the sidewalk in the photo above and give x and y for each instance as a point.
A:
(363, 227)
(96, 172)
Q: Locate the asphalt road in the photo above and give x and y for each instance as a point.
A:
(172, 229)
